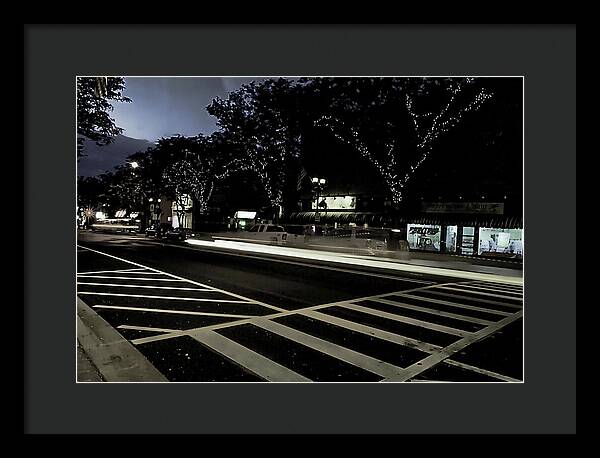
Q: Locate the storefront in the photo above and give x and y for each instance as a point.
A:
(424, 237)
(242, 220)
(498, 241)
(181, 212)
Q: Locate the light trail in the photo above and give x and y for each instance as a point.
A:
(354, 260)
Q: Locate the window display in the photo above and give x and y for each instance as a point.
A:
(507, 241)
(451, 236)
(424, 237)
(468, 240)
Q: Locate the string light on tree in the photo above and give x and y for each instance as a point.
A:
(428, 126)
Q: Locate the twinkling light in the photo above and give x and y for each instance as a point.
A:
(428, 127)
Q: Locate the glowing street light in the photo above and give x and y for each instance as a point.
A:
(134, 164)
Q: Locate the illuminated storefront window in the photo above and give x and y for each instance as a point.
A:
(336, 203)
(495, 240)
(424, 237)
(451, 238)
(468, 241)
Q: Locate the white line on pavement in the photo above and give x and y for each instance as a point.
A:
(451, 304)
(145, 328)
(187, 280)
(248, 359)
(370, 331)
(169, 298)
(401, 305)
(404, 319)
(464, 290)
(177, 312)
(129, 278)
(355, 358)
(120, 285)
(452, 349)
(479, 370)
(109, 271)
(396, 338)
(459, 297)
(513, 292)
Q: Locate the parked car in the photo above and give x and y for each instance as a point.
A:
(158, 229)
(178, 233)
(267, 233)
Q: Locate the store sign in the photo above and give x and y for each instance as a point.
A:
(496, 208)
(336, 203)
(424, 230)
(424, 236)
(240, 214)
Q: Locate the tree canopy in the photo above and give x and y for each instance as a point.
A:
(94, 96)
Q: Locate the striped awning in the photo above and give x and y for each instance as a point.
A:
(496, 221)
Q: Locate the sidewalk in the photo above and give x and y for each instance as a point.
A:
(86, 371)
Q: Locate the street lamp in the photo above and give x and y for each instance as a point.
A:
(318, 186)
(134, 164)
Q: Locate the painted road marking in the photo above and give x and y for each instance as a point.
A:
(468, 367)
(145, 328)
(187, 280)
(109, 271)
(495, 285)
(355, 358)
(451, 304)
(463, 290)
(248, 359)
(270, 370)
(169, 298)
(441, 355)
(368, 330)
(477, 289)
(177, 312)
(143, 286)
(404, 319)
(401, 305)
(131, 278)
(437, 354)
(485, 301)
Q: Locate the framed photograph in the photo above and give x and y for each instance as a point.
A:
(334, 242)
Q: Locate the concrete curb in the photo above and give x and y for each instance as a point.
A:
(116, 358)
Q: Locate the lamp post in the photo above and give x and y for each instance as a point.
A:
(318, 186)
(142, 214)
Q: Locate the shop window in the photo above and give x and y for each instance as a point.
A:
(504, 241)
(424, 237)
(451, 238)
(468, 241)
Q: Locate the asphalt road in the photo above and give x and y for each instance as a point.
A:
(199, 314)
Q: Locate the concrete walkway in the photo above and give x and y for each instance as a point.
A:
(86, 371)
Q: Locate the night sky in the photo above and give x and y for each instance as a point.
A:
(168, 106)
